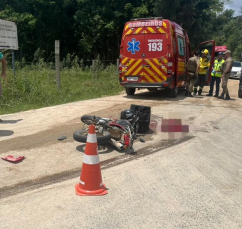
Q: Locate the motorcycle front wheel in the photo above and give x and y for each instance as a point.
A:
(102, 138)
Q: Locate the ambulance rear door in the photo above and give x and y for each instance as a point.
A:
(155, 57)
(132, 60)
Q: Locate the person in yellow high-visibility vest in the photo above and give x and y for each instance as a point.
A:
(204, 65)
(216, 75)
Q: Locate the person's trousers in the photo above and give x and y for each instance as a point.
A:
(225, 84)
(213, 80)
(200, 81)
(192, 82)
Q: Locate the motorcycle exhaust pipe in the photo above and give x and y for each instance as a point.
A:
(117, 145)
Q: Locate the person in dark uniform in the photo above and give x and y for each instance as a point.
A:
(227, 66)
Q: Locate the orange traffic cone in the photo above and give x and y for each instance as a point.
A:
(91, 179)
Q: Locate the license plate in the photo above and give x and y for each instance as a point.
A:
(132, 78)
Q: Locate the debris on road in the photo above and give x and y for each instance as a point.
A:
(141, 140)
(11, 158)
(62, 138)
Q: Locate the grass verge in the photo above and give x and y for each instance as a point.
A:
(35, 87)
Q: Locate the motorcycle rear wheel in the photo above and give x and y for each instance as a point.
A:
(81, 136)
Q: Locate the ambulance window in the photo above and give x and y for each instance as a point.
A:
(181, 46)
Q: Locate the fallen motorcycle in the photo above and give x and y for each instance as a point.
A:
(119, 133)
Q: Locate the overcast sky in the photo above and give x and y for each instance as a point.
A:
(235, 5)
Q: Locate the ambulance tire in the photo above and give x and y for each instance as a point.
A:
(130, 91)
(174, 92)
(240, 94)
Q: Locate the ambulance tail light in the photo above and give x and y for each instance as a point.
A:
(120, 68)
(170, 66)
(120, 65)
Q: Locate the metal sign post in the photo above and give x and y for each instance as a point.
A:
(57, 63)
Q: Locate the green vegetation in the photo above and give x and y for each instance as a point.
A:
(87, 28)
(205, 20)
(34, 87)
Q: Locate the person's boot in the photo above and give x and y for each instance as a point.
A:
(200, 91)
(209, 94)
(190, 94)
(195, 92)
(186, 93)
(216, 95)
(227, 97)
(221, 96)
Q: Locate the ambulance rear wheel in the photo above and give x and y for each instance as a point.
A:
(174, 92)
(240, 94)
(130, 91)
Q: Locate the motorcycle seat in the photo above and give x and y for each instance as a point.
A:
(117, 125)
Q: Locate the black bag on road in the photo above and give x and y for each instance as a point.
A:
(144, 113)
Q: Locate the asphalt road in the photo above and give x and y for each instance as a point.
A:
(176, 180)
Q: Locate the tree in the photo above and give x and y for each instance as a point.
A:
(195, 16)
(88, 28)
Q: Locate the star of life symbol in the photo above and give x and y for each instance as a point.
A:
(133, 46)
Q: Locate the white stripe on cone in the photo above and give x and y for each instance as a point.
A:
(91, 138)
(91, 160)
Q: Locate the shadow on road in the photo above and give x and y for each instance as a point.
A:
(10, 121)
(159, 95)
(102, 149)
(5, 133)
(105, 148)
